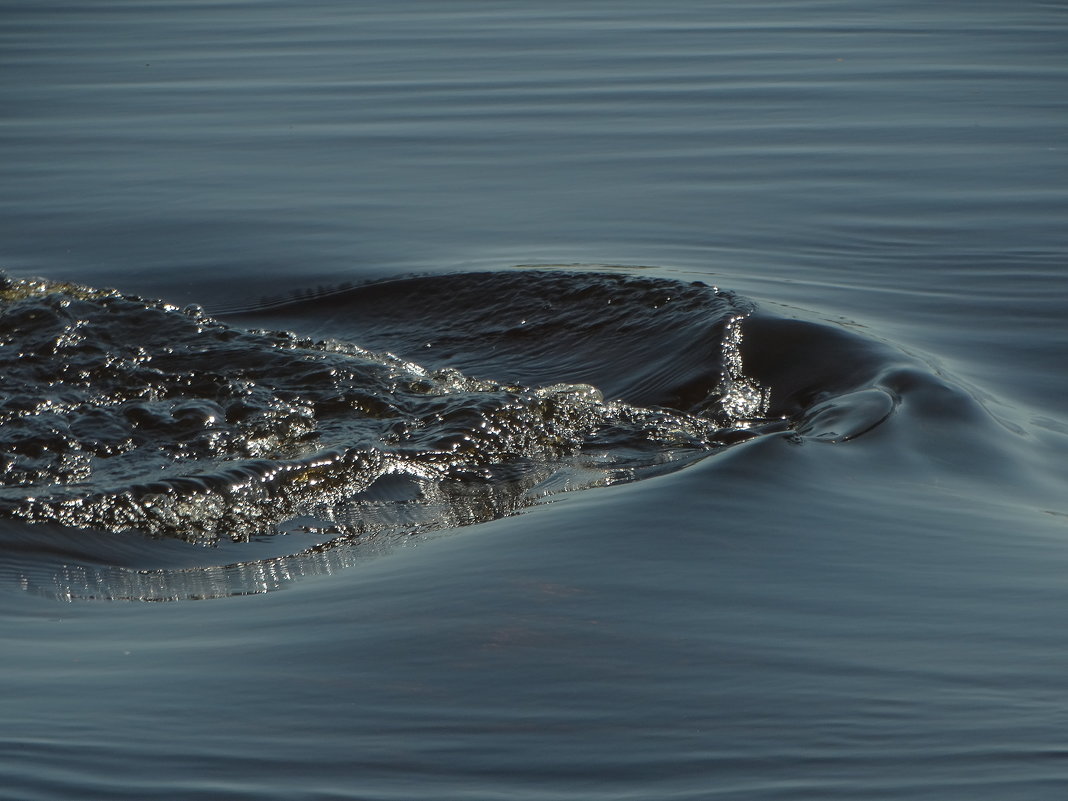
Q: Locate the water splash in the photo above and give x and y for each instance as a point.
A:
(125, 415)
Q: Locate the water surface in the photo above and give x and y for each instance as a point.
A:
(784, 519)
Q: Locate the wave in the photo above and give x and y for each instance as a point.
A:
(161, 453)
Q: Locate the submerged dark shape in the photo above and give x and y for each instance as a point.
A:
(129, 416)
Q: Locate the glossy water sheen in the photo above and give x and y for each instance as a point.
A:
(592, 531)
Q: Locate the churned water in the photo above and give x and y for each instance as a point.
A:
(552, 400)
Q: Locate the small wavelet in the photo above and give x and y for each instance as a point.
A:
(426, 404)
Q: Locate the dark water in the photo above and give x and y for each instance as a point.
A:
(559, 400)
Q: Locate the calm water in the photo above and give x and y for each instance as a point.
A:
(809, 541)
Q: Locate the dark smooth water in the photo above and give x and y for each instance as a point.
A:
(673, 406)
